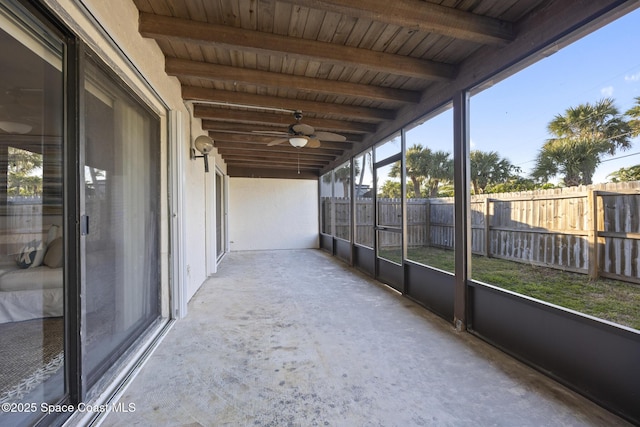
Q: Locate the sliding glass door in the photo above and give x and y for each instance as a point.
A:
(120, 222)
(79, 264)
(32, 287)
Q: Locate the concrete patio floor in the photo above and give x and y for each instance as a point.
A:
(297, 338)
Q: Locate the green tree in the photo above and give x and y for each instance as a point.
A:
(390, 190)
(634, 117)
(439, 166)
(343, 175)
(517, 184)
(22, 174)
(582, 136)
(425, 167)
(626, 174)
(488, 168)
(415, 166)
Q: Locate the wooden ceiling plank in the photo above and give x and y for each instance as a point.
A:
(422, 16)
(248, 16)
(196, 10)
(181, 67)
(167, 28)
(194, 93)
(178, 9)
(269, 119)
(143, 6)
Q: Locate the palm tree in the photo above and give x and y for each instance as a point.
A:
(415, 166)
(439, 168)
(634, 115)
(631, 173)
(488, 168)
(422, 165)
(343, 174)
(583, 135)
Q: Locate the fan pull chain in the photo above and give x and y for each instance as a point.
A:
(298, 161)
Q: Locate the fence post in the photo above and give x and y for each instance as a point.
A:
(487, 227)
(594, 213)
(427, 237)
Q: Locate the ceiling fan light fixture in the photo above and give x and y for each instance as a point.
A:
(298, 141)
(15, 127)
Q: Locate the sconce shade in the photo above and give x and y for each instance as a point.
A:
(15, 127)
(203, 144)
(298, 141)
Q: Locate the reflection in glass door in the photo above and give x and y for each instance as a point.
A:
(31, 217)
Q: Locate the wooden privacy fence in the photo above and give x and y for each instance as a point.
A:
(593, 230)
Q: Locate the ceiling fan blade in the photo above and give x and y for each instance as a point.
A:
(301, 128)
(329, 136)
(313, 143)
(277, 141)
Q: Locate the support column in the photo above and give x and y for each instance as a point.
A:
(462, 208)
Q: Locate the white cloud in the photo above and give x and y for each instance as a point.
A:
(607, 91)
(632, 77)
(472, 143)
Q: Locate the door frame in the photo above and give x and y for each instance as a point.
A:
(387, 271)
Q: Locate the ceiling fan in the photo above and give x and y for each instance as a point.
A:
(302, 135)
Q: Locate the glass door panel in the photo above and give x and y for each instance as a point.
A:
(388, 212)
(121, 194)
(220, 218)
(364, 208)
(31, 244)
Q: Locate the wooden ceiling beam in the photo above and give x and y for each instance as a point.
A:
(260, 158)
(274, 160)
(251, 171)
(250, 139)
(223, 73)
(303, 155)
(272, 166)
(201, 33)
(280, 148)
(271, 119)
(231, 98)
(422, 16)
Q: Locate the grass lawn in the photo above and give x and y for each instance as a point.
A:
(607, 299)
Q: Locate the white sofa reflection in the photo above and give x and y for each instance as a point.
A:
(31, 283)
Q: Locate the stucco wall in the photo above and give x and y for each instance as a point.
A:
(272, 214)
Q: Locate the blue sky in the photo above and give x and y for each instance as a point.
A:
(511, 117)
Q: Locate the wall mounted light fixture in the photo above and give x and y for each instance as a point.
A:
(204, 145)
